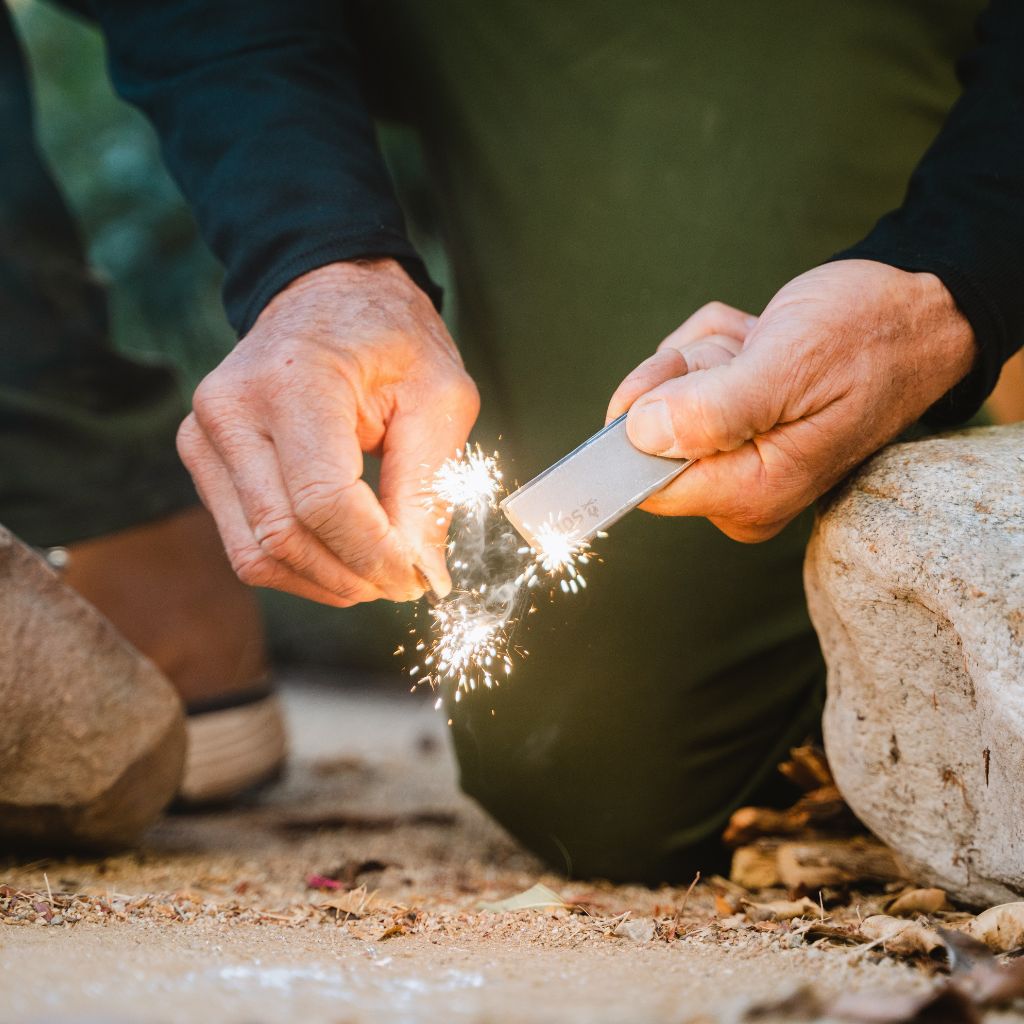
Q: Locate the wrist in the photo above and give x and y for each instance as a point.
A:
(948, 332)
(357, 273)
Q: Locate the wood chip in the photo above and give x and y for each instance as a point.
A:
(755, 867)
(824, 862)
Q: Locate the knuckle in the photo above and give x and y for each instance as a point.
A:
(715, 310)
(712, 421)
(251, 566)
(459, 391)
(280, 537)
(188, 439)
(214, 408)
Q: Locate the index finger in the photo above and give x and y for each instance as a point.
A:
(654, 370)
(322, 465)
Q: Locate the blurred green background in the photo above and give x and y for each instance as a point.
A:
(164, 284)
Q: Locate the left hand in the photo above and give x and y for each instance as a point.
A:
(781, 407)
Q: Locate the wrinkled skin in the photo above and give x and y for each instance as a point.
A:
(349, 359)
(779, 407)
(352, 358)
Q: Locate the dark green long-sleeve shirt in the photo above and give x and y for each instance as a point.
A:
(261, 110)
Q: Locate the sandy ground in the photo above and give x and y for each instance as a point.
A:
(215, 918)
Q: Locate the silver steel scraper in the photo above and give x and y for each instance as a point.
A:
(590, 488)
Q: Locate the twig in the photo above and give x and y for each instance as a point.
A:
(49, 891)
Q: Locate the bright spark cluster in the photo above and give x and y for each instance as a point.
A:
(470, 481)
(557, 557)
(470, 644)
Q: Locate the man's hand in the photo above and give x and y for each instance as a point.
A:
(780, 407)
(350, 358)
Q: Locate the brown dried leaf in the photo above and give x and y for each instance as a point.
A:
(822, 809)
(918, 901)
(780, 910)
(905, 938)
(977, 972)
(356, 903)
(807, 767)
(846, 935)
(723, 906)
(1000, 928)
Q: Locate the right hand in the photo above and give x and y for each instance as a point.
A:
(347, 359)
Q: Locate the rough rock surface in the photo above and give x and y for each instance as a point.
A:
(92, 741)
(915, 581)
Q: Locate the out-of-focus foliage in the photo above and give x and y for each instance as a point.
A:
(164, 282)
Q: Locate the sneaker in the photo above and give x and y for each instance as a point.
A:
(168, 588)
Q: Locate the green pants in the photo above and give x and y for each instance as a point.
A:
(600, 171)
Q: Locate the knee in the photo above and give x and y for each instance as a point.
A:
(586, 821)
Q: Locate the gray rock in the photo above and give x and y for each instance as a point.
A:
(92, 736)
(915, 582)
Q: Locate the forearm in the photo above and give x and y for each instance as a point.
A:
(963, 215)
(262, 122)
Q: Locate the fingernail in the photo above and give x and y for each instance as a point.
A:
(651, 427)
(751, 322)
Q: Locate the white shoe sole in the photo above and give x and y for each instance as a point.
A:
(232, 749)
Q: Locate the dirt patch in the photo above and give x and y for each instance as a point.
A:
(352, 889)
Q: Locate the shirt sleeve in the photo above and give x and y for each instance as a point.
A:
(962, 218)
(264, 126)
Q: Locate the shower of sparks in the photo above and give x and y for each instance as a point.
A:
(557, 557)
(470, 644)
(471, 481)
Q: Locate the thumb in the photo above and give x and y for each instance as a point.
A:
(415, 445)
(713, 410)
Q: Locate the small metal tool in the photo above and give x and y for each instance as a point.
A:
(590, 488)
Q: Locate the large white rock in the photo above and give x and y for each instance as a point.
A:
(915, 581)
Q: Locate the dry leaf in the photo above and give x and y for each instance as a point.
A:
(351, 904)
(639, 929)
(918, 901)
(722, 906)
(1000, 928)
(539, 897)
(390, 933)
(807, 767)
(846, 935)
(780, 910)
(754, 867)
(903, 937)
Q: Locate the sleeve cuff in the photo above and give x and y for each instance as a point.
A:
(243, 312)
